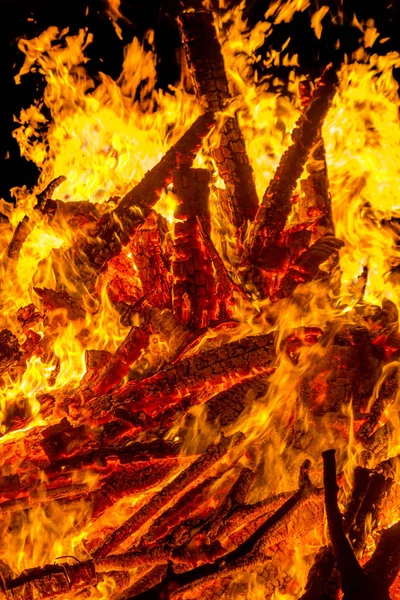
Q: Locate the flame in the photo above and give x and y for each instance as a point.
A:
(104, 135)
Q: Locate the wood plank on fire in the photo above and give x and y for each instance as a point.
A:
(276, 205)
(206, 64)
(206, 374)
(196, 296)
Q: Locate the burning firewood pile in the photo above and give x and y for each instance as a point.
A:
(179, 466)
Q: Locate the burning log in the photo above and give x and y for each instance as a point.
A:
(45, 203)
(369, 507)
(46, 206)
(42, 578)
(206, 65)
(70, 493)
(245, 556)
(306, 267)
(225, 285)
(114, 230)
(197, 510)
(123, 288)
(387, 395)
(61, 300)
(126, 354)
(205, 374)
(374, 580)
(335, 378)
(276, 205)
(320, 575)
(146, 582)
(364, 504)
(241, 487)
(49, 581)
(384, 565)
(194, 287)
(150, 263)
(244, 515)
(226, 407)
(125, 454)
(178, 512)
(125, 481)
(235, 498)
(354, 583)
(315, 203)
(170, 491)
(21, 232)
(197, 296)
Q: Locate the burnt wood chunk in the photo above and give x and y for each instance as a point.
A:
(276, 205)
(150, 263)
(21, 232)
(172, 490)
(45, 203)
(61, 300)
(118, 366)
(195, 293)
(206, 64)
(205, 374)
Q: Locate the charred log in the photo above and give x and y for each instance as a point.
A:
(315, 203)
(276, 205)
(206, 64)
(194, 286)
(21, 232)
(170, 491)
(45, 203)
(61, 300)
(205, 373)
(148, 257)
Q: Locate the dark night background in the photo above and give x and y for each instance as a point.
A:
(28, 18)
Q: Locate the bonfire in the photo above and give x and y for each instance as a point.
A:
(199, 337)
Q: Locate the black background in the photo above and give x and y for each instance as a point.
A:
(28, 18)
